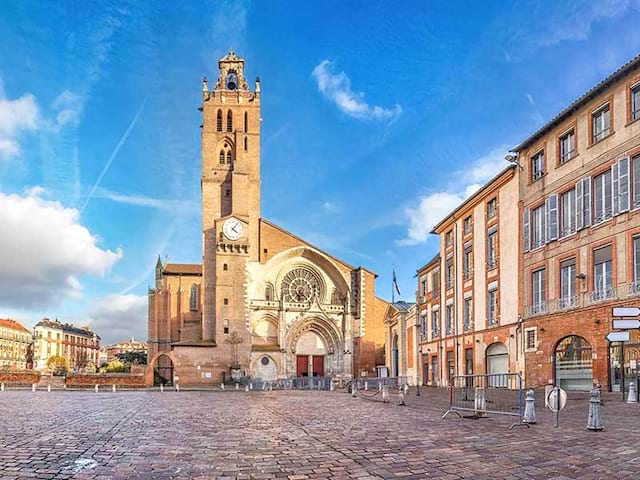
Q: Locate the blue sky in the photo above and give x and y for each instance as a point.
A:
(378, 118)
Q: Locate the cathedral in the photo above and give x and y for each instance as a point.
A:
(264, 303)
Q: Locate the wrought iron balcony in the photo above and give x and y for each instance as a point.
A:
(467, 274)
(492, 263)
(539, 308)
(602, 294)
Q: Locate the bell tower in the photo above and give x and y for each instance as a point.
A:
(230, 204)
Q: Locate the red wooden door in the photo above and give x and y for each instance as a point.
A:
(302, 365)
(318, 365)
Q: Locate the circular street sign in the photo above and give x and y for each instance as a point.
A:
(552, 399)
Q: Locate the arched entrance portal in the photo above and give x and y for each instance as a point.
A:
(497, 363)
(310, 355)
(574, 364)
(163, 371)
(395, 355)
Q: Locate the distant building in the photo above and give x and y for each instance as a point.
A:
(401, 340)
(79, 346)
(14, 343)
(112, 351)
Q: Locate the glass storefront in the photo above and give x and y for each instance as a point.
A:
(624, 362)
(574, 364)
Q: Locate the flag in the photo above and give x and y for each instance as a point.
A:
(395, 283)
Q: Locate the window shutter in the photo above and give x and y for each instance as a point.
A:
(623, 185)
(526, 229)
(552, 217)
(579, 209)
(615, 188)
(586, 200)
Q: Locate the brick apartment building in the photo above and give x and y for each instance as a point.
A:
(542, 305)
(580, 192)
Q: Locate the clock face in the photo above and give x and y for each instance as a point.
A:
(232, 229)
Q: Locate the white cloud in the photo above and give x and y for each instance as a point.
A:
(45, 251)
(576, 23)
(336, 87)
(176, 207)
(16, 116)
(530, 98)
(431, 208)
(118, 317)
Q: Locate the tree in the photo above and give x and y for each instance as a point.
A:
(57, 365)
(116, 366)
(133, 358)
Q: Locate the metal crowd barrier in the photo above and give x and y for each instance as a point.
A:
(298, 383)
(491, 394)
(374, 383)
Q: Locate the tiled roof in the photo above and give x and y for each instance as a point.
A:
(182, 269)
(402, 305)
(12, 324)
(66, 327)
(623, 70)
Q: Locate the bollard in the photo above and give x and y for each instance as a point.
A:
(417, 389)
(33, 387)
(162, 388)
(96, 388)
(633, 395)
(250, 386)
(221, 386)
(353, 390)
(113, 388)
(48, 388)
(246, 388)
(530, 408)
(480, 404)
(406, 388)
(177, 387)
(1, 387)
(385, 394)
(331, 386)
(379, 387)
(595, 423)
(264, 386)
(237, 386)
(270, 386)
(401, 392)
(366, 386)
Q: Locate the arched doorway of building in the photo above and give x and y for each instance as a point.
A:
(497, 357)
(310, 355)
(574, 364)
(266, 368)
(395, 355)
(163, 371)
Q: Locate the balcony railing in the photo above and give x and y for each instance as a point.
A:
(539, 308)
(492, 263)
(435, 334)
(585, 299)
(467, 325)
(467, 274)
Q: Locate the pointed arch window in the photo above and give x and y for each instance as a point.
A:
(193, 298)
(219, 121)
(229, 121)
(229, 158)
(246, 122)
(268, 292)
(221, 157)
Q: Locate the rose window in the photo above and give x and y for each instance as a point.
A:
(300, 285)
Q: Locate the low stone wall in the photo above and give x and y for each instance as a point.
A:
(19, 377)
(117, 379)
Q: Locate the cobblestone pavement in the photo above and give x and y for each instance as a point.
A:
(299, 435)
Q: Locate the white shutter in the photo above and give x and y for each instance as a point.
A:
(579, 205)
(623, 185)
(615, 188)
(526, 229)
(586, 200)
(551, 211)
